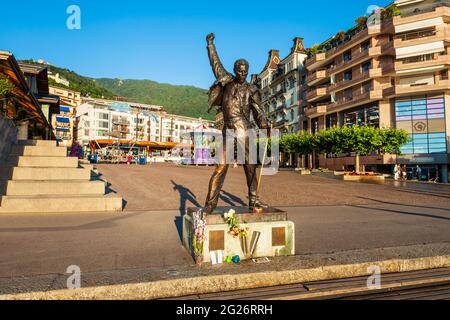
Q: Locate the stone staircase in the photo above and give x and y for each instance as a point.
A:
(39, 177)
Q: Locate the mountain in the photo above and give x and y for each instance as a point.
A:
(87, 86)
(182, 100)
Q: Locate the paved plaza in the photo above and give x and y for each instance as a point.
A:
(171, 187)
(330, 216)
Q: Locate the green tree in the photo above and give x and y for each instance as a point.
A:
(6, 89)
(392, 140)
(361, 21)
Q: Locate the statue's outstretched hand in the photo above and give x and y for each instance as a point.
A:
(210, 38)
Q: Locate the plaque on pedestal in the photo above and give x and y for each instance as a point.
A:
(269, 234)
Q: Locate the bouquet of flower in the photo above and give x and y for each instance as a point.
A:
(199, 233)
(235, 230)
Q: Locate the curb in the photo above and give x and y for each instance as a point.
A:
(218, 283)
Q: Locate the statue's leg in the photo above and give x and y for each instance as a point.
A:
(252, 182)
(215, 186)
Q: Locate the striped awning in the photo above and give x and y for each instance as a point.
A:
(64, 109)
(62, 119)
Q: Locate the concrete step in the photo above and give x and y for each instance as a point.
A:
(86, 166)
(39, 151)
(56, 187)
(43, 162)
(23, 173)
(41, 143)
(61, 204)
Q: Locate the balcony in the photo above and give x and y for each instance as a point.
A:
(355, 100)
(313, 62)
(317, 110)
(422, 37)
(397, 90)
(357, 58)
(281, 123)
(385, 49)
(318, 76)
(359, 78)
(429, 12)
(439, 62)
(316, 93)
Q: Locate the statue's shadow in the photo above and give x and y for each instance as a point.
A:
(187, 197)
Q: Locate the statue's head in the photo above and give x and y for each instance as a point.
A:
(241, 70)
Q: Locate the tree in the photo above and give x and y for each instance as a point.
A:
(363, 140)
(390, 12)
(361, 21)
(340, 36)
(392, 140)
(6, 89)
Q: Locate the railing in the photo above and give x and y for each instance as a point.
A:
(354, 59)
(416, 35)
(431, 8)
(323, 73)
(314, 92)
(364, 94)
(354, 80)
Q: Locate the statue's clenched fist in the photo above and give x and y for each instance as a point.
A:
(210, 38)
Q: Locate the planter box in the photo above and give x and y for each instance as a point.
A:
(304, 172)
(363, 178)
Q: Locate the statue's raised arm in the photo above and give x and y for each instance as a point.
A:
(219, 71)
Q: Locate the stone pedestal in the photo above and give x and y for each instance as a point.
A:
(276, 233)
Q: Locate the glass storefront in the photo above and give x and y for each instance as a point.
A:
(362, 116)
(424, 119)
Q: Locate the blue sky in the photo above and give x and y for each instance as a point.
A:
(165, 40)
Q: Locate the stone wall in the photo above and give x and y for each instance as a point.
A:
(8, 137)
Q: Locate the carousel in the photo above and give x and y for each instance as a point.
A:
(203, 140)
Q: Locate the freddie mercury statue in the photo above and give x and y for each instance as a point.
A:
(236, 98)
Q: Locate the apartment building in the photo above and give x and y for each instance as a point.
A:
(392, 72)
(68, 97)
(63, 126)
(279, 81)
(106, 120)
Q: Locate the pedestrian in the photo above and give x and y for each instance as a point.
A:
(396, 172)
(418, 172)
(404, 172)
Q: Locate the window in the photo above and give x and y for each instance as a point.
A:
(348, 56)
(423, 117)
(332, 121)
(365, 67)
(291, 83)
(417, 35)
(365, 46)
(348, 75)
(365, 116)
(102, 124)
(348, 94)
(421, 58)
(444, 75)
(367, 86)
(103, 116)
(315, 125)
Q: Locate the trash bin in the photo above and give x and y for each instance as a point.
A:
(94, 158)
(142, 160)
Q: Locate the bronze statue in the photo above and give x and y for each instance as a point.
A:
(236, 98)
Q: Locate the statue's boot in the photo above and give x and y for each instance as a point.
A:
(257, 204)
